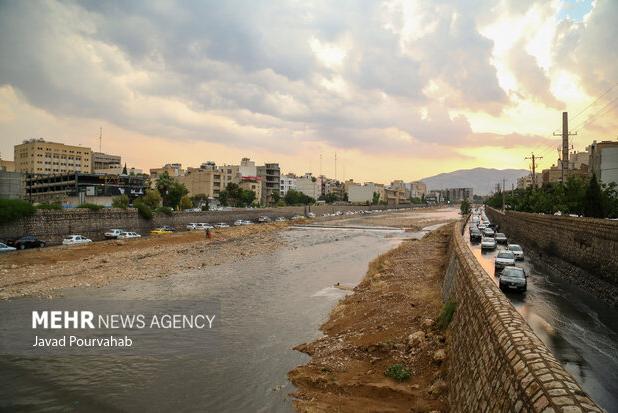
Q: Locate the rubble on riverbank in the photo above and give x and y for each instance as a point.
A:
(387, 321)
(40, 272)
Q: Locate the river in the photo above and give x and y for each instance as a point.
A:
(581, 331)
(269, 303)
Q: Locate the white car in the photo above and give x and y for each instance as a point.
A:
(504, 259)
(488, 232)
(203, 226)
(297, 217)
(113, 233)
(239, 222)
(128, 235)
(191, 226)
(221, 225)
(517, 251)
(281, 219)
(310, 215)
(488, 243)
(6, 248)
(75, 239)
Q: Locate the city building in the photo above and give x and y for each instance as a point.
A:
(270, 176)
(11, 185)
(252, 183)
(77, 188)
(395, 196)
(201, 181)
(7, 166)
(434, 196)
(457, 194)
(118, 170)
(102, 160)
(418, 189)
(309, 185)
(604, 161)
(247, 167)
(360, 194)
(286, 183)
(172, 169)
(526, 181)
(38, 156)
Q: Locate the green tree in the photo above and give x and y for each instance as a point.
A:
(171, 191)
(152, 198)
(120, 201)
(375, 200)
(294, 197)
(593, 201)
(465, 207)
(185, 202)
(247, 197)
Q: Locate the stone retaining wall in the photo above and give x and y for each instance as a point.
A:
(52, 226)
(496, 362)
(582, 250)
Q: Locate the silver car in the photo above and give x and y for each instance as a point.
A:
(488, 243)
(517, 251)
(513, 278)
(504, 259)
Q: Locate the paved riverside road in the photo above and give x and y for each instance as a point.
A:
(581, 331)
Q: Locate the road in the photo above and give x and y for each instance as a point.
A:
(581, 331)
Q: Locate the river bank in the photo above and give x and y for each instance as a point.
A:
(388, 320)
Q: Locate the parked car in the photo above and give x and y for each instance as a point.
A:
(160, 231)
(264, 219)
(513, 278)
(221, 225)
(504, 259)
(481, 226)
(75, 240)
(312, 215)
(169, 228)
(191, 226)
(517, 251)
(129, 235)
(475, 235)
(239, 222)
(27, 241)
(488, 232)
(488, 243)
(500, 238)
(6, 248)
(113, 233)
(281, 219)
(203, 226)
(297, 217)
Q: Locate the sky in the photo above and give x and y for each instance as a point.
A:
(396, 89)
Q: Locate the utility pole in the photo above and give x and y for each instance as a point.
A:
(565, 143)
(100, 138)
(503, 193)
(534, 158)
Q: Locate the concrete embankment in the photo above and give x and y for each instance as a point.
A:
(496, 362)
(53, 226)
(583, 251)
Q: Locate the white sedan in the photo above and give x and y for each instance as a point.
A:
(75, 239)
(221, 225)
(129, 235)
(488, 243)
(6, 248)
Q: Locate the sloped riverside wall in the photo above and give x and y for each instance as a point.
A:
(582, 250)
(52, 226)
(496, 362)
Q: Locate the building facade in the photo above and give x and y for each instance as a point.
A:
(38, 156)
(286, 183)
(309, 185)
(102, 160)
(604, 161)
(270, 176)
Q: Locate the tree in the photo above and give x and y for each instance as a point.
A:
(185, 202)
(465, 207)
(593, 201)
(294, 197)
(120, 201)
(171, 191)
(375, 200)
(152, 198)
(247, 197)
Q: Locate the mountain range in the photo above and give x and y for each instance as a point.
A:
(482, 180)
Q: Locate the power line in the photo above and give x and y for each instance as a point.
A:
(595, 101)
(594, 115)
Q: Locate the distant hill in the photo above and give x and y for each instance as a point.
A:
(482, 180)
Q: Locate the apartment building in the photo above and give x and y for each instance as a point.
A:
(38, 156)
(309, 185)
(526, 181)
(252, 183)
(604, 161)
(102, 160)
(286, 183)
(7, 166)
(270, 176)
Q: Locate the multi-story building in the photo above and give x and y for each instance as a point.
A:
(286, 183)
(77, 188)
(119, 170)
(457, 194)
(37, 156)
(7, 166)
(102, 160)
(199, 181)
(395, 196)
(309, 185)
(604, 161)
(526, 181)
(418, 189)
(270, 175)
(252, 183)
(172, 169)
(360, 194)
